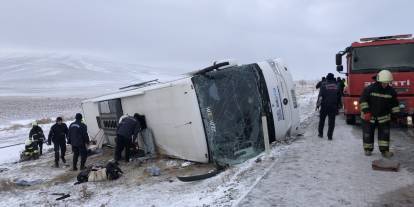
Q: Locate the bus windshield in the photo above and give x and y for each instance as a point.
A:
(232, 102)
(398, 57)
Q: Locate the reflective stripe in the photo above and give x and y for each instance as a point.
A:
(395, 109)
(369, 146)
(381, 95)
(383, 143)
(363, 105)
(383, 119)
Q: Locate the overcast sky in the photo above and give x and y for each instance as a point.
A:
(184, 35)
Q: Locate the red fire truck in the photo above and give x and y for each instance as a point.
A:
(368, 56)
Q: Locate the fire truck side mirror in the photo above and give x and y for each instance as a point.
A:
(339, 68)
(338, 59)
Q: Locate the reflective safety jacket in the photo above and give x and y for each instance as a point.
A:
(380, 102)
(37, 133)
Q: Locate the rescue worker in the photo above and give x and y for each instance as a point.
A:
(126, 131)
(30, 150)
(341, 86)
(36, 134)
(330, 96)
(319, 84)
(378, 101)
(79, 139)
(58, 134)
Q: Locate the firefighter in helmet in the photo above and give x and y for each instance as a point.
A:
(378, 101)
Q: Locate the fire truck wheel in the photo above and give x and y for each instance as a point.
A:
(350, 119)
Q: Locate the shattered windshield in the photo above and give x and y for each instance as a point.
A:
(392, 57)
(231, 104)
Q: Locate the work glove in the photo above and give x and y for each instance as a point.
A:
(367, 116)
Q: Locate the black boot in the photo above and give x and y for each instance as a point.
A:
(74, 166)
(63, 160)
(56, 164)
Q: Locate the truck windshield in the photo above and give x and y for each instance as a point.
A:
(392, 57)
(232, 102)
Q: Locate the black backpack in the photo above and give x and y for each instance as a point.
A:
(113, 172)
(83, 176)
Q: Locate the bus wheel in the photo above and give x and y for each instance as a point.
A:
(350, 119)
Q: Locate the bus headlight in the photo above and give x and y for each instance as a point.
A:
(355, 103)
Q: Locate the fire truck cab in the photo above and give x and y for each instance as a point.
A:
(364, 59)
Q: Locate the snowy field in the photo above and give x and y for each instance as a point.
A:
(67, 75)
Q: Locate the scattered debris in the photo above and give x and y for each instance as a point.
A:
(386, 165)
(210, 174)
(259, 159)
(153, 171)
(99, 173)
(62, 196)
(186, 164)
(25, 183)
(3, 169)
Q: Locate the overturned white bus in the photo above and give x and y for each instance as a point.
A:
(213, 115)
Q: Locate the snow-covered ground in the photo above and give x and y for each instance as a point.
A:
(306, 171)
(318, 172)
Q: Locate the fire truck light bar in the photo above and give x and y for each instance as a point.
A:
(386, 37)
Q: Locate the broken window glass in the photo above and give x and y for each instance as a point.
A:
(232, 102)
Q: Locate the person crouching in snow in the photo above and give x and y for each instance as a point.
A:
(30, 150)
(79, 139)
(36, 134)
(58, 134)
(126, 131)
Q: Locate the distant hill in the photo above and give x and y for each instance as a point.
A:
(26, 74)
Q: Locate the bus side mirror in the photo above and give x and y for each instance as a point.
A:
(339, 68)
(338, 59)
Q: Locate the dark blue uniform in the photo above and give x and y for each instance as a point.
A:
(58, 134)
(330, 95)
(127, 130)
(78, 138)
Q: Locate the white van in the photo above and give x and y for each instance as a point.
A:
(213, 115)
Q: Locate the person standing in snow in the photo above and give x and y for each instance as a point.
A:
(36, 134)
(377, 102)
(319, 84)
(58, 134)
(79, 139)
(126, 131)
(330, 95)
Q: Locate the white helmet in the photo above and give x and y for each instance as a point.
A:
(34, 123)
(28, 142)
(122, 117)
(384, 76)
